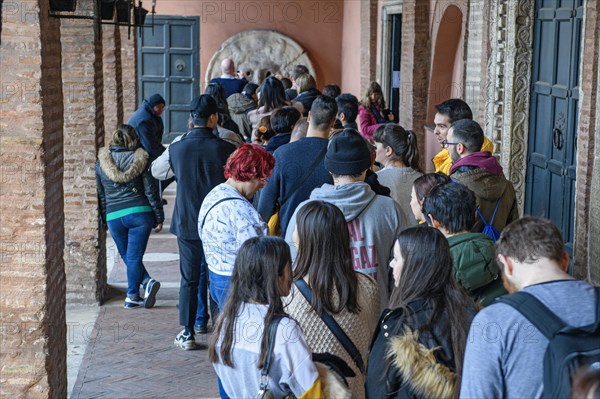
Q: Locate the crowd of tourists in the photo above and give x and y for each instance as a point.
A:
(323, 261)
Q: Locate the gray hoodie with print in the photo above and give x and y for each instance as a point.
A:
(374, 222)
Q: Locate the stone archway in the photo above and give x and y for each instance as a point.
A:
(260, 53)
(442, 84)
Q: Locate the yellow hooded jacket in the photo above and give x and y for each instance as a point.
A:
(443, 162)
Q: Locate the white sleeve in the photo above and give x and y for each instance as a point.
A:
(295, 358)
(247, 224)
(161, 167)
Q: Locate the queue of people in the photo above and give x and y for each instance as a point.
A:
(339, 269)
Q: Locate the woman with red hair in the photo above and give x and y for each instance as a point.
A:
(227, 217)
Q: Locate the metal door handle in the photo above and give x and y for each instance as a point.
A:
(557, 140)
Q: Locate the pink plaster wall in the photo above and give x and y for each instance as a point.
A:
(447, 26)
(315, 25)
(351, 49)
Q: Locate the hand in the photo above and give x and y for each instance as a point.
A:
(158, 228)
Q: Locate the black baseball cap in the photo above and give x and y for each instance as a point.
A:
(203, 106)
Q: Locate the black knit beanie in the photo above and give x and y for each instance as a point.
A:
(347, 154)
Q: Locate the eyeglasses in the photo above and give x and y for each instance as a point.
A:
(446, 143)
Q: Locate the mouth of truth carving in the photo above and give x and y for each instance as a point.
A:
(258, 54)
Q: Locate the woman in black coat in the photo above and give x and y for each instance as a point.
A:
(419, 343)
(130, 206)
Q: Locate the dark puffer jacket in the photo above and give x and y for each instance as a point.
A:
(149, 128)
(475, 267)
(404, 364)
(124, 181)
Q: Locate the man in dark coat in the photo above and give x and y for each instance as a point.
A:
(229, 79)
(481, 173)
(148, 124)
(197, 161)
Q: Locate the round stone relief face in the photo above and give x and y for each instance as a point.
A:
(258, 54)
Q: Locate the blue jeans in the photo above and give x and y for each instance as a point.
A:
(131, 234)
(219, 288)
(202, 310)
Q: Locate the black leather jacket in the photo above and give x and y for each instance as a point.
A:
(403, 364)
(124, 181)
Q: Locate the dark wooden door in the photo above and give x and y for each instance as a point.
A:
(552, 143)
(393, 96)
(169, 64)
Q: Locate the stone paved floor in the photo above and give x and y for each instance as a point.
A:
(130, 352)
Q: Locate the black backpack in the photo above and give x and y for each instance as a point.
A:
(569, 348)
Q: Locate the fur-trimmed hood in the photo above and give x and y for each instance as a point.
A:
(333, 386)
(124, 166)
(419, 367)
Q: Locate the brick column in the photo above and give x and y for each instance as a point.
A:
(32, 281)
(85, 253)
(129, 77)
(587, 199)
(113, 84)
(415, 64)
(368, 43)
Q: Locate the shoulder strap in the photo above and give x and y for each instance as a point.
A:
(491, 223)
(215, 204)
(536, 312)
(270, 344)
(495, 209)
(307, 173)
(334, 327)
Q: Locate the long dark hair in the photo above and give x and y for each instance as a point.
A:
(259, 263)
(424, 184)
(324, 255)
(427, 274)
(217, 92)
(403, 142)
(272, 94)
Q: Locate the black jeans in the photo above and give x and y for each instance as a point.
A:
(193, 278)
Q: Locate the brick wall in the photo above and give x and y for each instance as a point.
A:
(113, 85)
(32, 286)
(587, 199)
(415, 64)
(129, 72)
(368, 43)
(85, 263)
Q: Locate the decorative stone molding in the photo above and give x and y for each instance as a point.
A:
(473, 50)
(508, 86)
(258, 54)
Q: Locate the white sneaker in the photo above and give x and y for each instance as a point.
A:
(150, 296)
(185, 341)
(133, 303)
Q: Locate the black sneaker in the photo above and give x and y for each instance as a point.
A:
(150, 296)
(133, 303)
(200, 329)
(185, 341)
